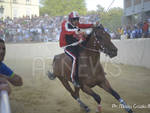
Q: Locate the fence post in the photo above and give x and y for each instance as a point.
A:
(4, 104)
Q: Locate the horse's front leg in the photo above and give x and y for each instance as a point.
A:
(90, 92)
(107, 87)
(82, 105)
(74, 94)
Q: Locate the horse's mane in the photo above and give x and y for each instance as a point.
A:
(89, 35)
(87, 39)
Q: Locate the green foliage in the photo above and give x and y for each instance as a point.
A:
(62, 7)
(110, 19)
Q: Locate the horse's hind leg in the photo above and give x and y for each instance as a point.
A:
(74, 94)
(107, 87)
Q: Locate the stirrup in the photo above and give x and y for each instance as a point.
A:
(76, 84)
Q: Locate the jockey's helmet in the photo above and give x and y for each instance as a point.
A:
(73, 16)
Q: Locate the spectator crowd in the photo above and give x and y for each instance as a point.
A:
(140, 30)
(28, 29)
(35, 29)
(46, 28)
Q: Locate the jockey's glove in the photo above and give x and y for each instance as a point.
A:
(95, 24)
(80, 41)
(77, 32)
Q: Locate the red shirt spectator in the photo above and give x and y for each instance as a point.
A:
(145, 27)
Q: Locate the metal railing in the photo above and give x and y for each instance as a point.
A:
(4, 102)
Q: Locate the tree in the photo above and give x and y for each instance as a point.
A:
(100, 8)
(62, 7)
(112, 18)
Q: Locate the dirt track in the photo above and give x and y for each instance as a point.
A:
(41, 95)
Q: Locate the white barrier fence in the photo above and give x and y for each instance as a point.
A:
(131, 51)
(4, 104)
(134, 52)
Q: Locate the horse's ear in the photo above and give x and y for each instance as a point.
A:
(101, 26)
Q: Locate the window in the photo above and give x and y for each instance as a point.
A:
(14, 1)
(137, 2)
(146, 0)
(128, 3)
(28, 12)
(1, 0)
(28, 1)
(15, 12)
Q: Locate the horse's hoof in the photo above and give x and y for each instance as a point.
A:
(50, 75)
(130, 111)
(87, 110)
(99, 109)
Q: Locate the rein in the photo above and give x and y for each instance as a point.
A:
(90, 49)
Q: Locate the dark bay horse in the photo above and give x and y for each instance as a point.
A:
(91, 72)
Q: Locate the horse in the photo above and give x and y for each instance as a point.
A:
(91, 72)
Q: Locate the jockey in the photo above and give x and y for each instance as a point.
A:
(70, 38)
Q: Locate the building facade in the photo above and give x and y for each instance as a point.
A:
(136, 11)
(19, 8)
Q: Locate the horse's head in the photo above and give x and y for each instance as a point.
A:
(103, 40)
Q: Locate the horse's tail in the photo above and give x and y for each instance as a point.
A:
(50, 74)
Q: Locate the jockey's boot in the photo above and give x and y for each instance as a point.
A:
(76, 84)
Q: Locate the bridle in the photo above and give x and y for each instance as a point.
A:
(96, 42)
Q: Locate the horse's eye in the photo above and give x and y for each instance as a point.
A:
(100, 37)
(99, 27)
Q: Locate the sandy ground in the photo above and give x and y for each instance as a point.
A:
(41, 95)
